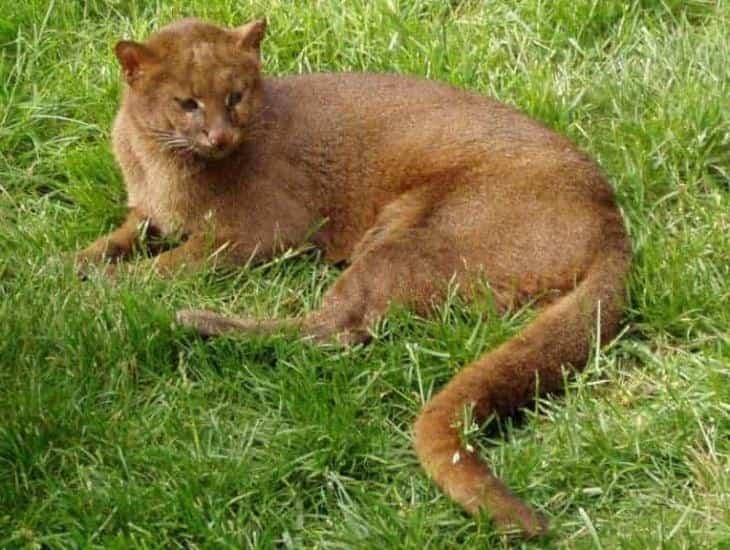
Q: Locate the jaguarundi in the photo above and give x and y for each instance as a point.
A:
(414, 184)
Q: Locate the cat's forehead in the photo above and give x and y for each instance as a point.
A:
(209, 57)
(203, 55)
(210, 67)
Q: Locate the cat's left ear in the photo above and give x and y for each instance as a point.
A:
(250, 35)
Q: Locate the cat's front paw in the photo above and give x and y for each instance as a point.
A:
(96, 256)
(87, 266)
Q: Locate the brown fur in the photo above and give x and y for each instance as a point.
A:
(420, 184)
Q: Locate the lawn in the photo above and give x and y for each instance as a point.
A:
(119, 429)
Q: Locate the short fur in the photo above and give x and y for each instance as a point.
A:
(418, 183)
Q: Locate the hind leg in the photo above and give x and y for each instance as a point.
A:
(411, 267)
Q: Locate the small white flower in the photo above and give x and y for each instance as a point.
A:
(469, 448)
(456, 458)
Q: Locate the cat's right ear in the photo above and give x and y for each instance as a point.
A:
(134, 59)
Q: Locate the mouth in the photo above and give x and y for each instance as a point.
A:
(212, 153)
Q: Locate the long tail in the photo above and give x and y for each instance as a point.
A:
(502, 380)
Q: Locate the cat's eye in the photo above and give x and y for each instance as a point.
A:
(233, 99)
(188, 105)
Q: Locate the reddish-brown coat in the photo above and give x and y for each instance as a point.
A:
(418, 183)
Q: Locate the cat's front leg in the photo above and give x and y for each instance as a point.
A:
(204, 249)
(114, 247)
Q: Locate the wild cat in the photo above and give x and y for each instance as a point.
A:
(420, 184)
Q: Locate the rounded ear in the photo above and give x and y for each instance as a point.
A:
(251, 34)
(134, 58)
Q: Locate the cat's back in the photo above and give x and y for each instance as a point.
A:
(391, 103)
(365, 89)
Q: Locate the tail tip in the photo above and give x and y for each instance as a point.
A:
(519, 520)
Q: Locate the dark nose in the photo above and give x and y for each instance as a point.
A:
(220, 139)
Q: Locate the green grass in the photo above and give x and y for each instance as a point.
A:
(118, 429)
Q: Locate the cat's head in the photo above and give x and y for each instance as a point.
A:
(193, 87)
